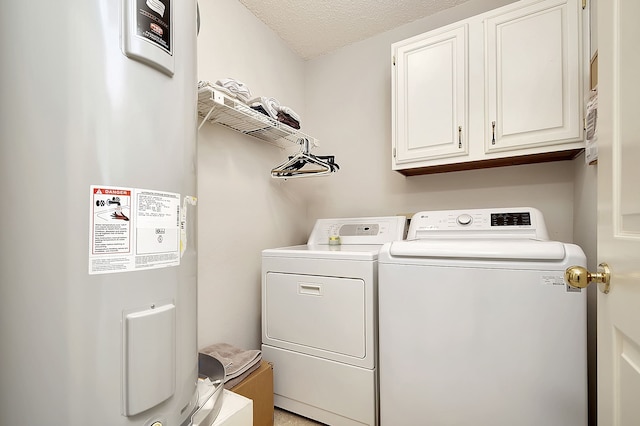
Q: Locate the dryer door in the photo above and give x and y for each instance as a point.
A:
(316, 314)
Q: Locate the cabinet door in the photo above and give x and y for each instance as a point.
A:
(430, 97)
(533, 77)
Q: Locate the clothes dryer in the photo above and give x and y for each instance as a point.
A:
(319, 319)
(478, 326)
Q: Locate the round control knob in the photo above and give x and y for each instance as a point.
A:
(464, 219)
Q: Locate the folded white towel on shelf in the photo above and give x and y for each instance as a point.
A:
(239, 88)
(286, 110)
(205, 84)
(270, 105)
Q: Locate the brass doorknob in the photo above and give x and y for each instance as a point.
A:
(579, 277)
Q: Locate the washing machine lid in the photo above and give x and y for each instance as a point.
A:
(495, 249)
(363, 252)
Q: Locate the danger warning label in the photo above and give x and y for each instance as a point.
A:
(133, 229)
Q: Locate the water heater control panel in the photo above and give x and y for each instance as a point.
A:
(147, 33)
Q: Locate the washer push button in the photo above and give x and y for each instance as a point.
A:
(464, 219)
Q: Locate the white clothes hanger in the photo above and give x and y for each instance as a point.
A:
(305, 164)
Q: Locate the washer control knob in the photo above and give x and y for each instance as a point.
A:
(464, 219)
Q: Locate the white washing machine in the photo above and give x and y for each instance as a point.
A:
(477, 325)
(319, 319)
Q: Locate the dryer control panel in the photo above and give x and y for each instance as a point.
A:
(518, 222)
(362, 230)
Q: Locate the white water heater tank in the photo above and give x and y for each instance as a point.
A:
(98, 247)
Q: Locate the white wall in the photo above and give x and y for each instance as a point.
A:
(345, 101)
(585, 232)
(241, 209)
(349, 108)
(348, 96)
(585, 226)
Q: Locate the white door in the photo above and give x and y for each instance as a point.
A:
(619, 212)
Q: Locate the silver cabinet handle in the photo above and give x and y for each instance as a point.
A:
(493, 133)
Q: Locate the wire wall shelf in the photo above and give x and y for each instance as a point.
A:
(216, 107)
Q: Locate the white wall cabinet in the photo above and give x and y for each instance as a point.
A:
(432, 102)
(533, 77)
(501, 88)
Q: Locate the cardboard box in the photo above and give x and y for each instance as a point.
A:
(258, 386)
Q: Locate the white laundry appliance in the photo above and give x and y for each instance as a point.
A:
(319, 319)
(477, 325)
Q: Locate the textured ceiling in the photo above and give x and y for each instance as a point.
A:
(314, 27)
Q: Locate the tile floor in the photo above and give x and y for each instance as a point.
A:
(285, 418)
